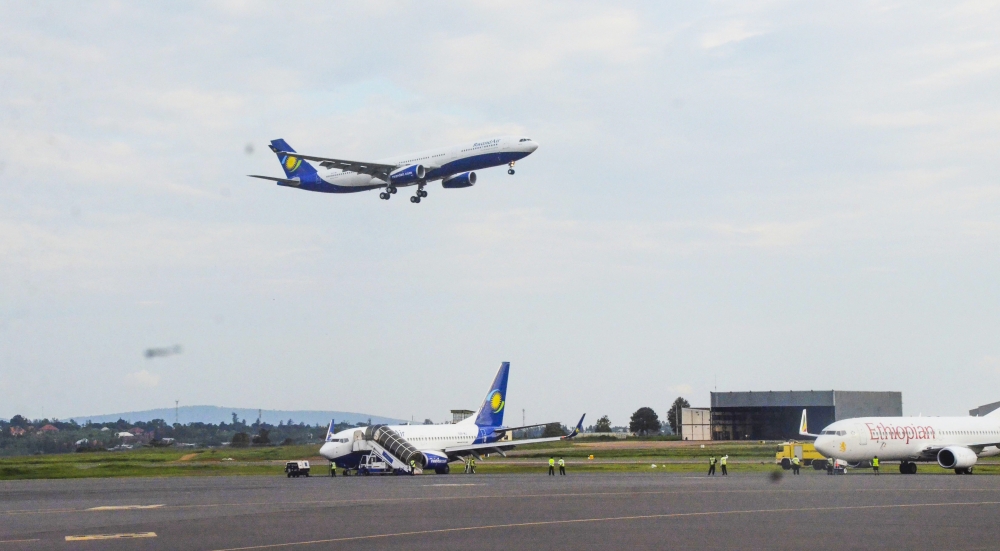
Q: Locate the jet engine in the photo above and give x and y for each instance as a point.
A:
(433, 459)
(465, 179)
(407, 175)
(956, 457)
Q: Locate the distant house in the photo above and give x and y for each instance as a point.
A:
(17, 431)
(48, 428)
(105, 429)
(125, 435)
(136, 431)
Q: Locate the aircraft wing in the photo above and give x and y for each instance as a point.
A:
(285, 181)
(374, 169)
(509, 444)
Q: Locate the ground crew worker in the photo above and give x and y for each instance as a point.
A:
(413, 467)
(795, 464)
(552, 466)
(466, 465)
(829, 467)
(711, 466)
(472, 465)
(722, 463)
(333, 469)
(875, 464)
(562, 466)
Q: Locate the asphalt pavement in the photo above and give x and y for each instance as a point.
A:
(577, 511)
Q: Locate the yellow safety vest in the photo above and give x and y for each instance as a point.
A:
(722, 461)
(552, 462)
(795, 460)
(472, 462)
(562, 463)
(875, 462)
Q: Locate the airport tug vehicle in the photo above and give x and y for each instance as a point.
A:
(806, 453)
(296, 469)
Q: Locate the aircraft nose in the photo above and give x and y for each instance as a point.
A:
(326, 450)
(823, 446)
(532, 146)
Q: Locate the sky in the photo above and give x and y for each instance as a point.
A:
(727, 196)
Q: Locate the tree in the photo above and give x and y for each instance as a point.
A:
(675, 410)
(553, 429)
(428, 422)
(262, 437)
(603, 425)
(240, 440)
(644, 421)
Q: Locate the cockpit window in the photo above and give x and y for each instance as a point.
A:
(525, 140)
(834, 432)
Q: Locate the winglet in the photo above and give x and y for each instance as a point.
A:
(329, 431)
(804, 428)
(577, 429)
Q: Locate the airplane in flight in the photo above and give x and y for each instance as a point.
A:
(434, 446)
(953, 442)
(455, 166)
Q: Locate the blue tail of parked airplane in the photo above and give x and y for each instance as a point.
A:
(293, 166)
(490, 414)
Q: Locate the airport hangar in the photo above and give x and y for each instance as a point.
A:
(775, 415)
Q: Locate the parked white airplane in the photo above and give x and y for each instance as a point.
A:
(453, 165)
(434, 446)
(953, 442)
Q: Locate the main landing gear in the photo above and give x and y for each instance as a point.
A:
(510, 169)
(420, 193)
(967, 470)
(389, 191)
(906, 467)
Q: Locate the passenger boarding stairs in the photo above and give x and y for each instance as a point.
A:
(390, 446)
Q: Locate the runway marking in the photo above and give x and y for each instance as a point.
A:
(124, 507)
(111, 536)
(513, 496)
(429, 485)
(601, 519)
(19, 541)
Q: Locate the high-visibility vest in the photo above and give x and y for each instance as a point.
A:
(472, 462)
(562, 463)
(552, 462)
(722, 461)
(795, 460)
(711, 461)
(413, 463)
(875, 462)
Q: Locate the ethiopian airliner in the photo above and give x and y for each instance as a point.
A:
(952, 442)
(434, 446)
(455, 166)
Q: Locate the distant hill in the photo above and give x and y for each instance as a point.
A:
(216, 414)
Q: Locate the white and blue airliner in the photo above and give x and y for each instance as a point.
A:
(455, 166)
(438, 445)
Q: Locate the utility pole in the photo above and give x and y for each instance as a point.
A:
(177, 415)
(522, 417)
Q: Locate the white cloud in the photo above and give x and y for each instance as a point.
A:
(143, 379)
(728, 32)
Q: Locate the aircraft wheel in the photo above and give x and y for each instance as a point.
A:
(383, 195)
(421, 193)
(913, 468)
(414, 199)
(392, 190)
(510, 171)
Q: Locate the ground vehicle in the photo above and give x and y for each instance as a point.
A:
(374, 464)
(297, 469)
(806, 453)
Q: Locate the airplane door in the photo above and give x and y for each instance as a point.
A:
(860, 435)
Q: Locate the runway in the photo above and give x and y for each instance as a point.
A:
(583, 511)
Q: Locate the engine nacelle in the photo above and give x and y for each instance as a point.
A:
(433, 459)
(407, 175)
(465, 179)
(956, 457)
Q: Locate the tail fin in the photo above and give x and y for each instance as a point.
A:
(490, 414)
(293, 166)
(329, 431)
(577, 429)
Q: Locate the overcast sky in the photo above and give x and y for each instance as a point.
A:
(768, 196)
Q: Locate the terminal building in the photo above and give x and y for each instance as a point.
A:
(775, 415)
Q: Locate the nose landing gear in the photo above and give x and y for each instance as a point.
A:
(510, 169)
